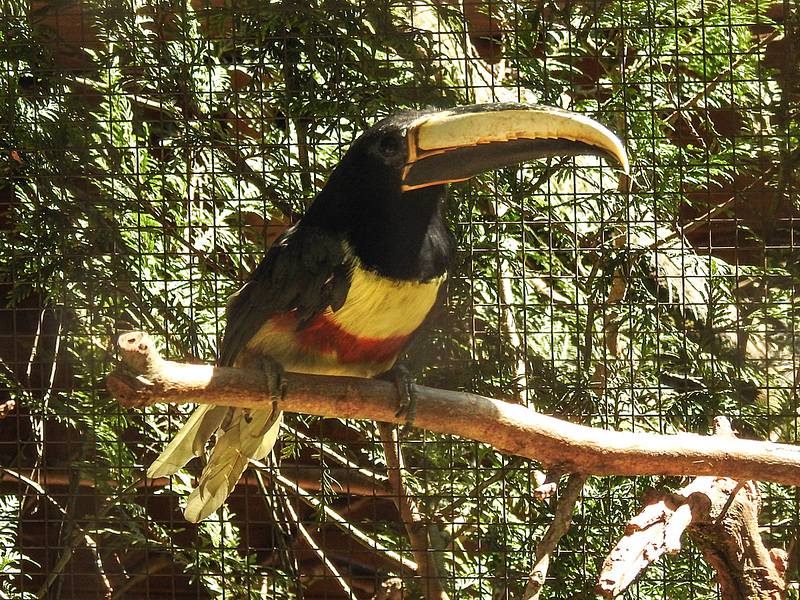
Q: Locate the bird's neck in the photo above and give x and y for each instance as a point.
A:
(405, 239)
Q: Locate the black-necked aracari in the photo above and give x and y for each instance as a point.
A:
(343, 290)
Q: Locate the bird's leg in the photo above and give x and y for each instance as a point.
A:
(274, 375)
(407, 391)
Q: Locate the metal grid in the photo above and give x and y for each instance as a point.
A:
(150, 151)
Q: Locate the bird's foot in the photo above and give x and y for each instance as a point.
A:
(407, 391)
(274, 375)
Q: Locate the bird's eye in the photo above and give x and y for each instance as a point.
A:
(389, 146)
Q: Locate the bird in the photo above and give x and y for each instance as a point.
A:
(343, 290)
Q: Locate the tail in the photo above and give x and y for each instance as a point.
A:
(189, 442)
(250, 434)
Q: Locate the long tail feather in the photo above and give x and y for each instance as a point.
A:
(189, 442)
(250, 435)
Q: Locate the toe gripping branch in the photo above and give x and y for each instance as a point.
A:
(407, 391)
(275, 377)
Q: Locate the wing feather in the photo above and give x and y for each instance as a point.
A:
(307, 270)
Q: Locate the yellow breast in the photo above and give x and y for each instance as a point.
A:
(377, 307)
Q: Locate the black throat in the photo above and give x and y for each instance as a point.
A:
(407, 239)
(402, 237)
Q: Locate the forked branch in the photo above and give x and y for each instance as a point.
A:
(721, 515)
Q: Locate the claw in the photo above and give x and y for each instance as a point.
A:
(274, 374)
(407, 391)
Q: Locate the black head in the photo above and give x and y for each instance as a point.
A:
(370, 173)
(400, 234)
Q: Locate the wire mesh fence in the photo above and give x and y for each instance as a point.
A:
(152, 151)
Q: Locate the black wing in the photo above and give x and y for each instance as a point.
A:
(305, 269)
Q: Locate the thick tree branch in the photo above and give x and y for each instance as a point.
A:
(145, 378)
(730, 539)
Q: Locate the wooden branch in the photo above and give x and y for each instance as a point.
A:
(414, 523)
(6, 407)
(560, 525)
(655, 531)
(731, 542)
(721, 516)
(145, 378)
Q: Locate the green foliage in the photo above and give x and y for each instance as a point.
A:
(142, 185)
(12, 561)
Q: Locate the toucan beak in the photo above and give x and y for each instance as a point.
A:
(458, 144)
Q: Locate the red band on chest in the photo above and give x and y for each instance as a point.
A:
(324, 336)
